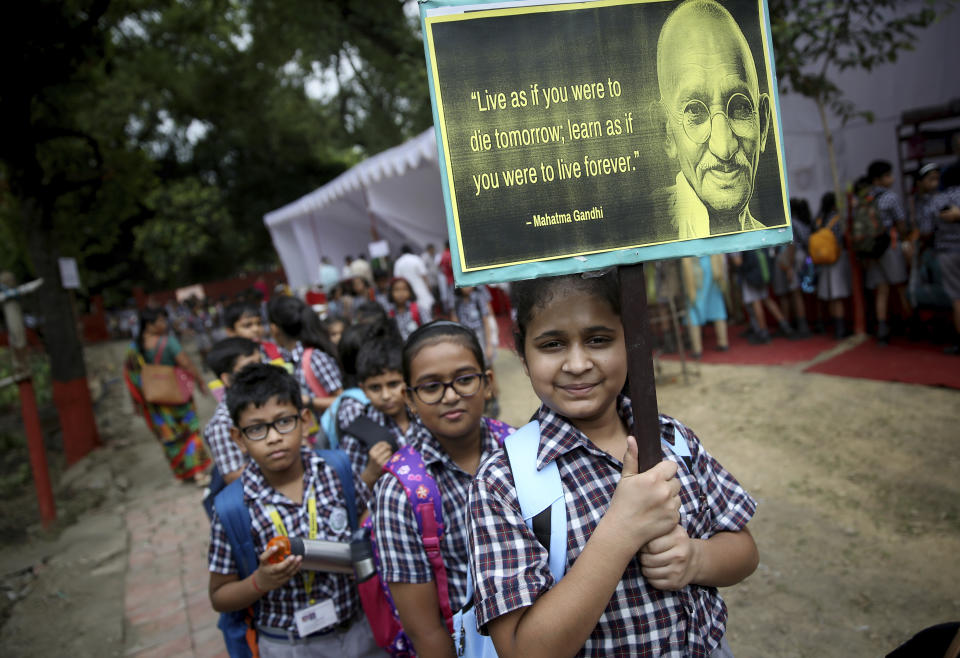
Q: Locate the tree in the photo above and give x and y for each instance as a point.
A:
(147, 139)
(815, 39)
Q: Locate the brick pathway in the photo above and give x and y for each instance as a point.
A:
(167, 611)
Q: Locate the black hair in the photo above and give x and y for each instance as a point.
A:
(300, 322)
(224, 354)
(396, 280)
(148, 316)
(800, 211)
(236, 310)
(257, 384)
(529, 296)
(333, 319)
(369, 312)
(382, 352)
(405, 249)
(828, 204)
(861, 185)
(878, 169)
(437, 332)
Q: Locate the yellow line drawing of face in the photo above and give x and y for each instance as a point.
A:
(717, 121)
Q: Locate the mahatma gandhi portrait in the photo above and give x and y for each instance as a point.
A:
(715, 121)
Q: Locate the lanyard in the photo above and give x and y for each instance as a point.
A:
(282, 531)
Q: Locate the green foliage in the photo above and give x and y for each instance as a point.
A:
(815, 39)
(150, 138)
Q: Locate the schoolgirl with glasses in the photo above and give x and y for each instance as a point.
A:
(447, 384)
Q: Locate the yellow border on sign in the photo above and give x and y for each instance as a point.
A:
(551, 8)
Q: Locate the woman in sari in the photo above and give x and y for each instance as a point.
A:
(177, 427)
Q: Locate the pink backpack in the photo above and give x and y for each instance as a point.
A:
(407, 466)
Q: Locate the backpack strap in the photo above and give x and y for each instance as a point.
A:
(328, 421)
(338, 460)
(237, 525)
(421, 489)
(162, 345)
(415, 313)
(540, 493)
(271, 350)
(305, 364)
(499, 429)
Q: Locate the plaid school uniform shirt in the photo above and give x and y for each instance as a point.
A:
(324, 368)
(358, 452)
(402, 556)
(510, 566)
(277, 607)
(226, 453)
(348, 411)
(889, 209)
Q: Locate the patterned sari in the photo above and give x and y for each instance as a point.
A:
(177, 427)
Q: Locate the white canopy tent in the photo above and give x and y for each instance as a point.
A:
(395, 195)
(399, 190)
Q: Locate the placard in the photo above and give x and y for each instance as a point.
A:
(69, 274)
(581, 135)
(379, 249)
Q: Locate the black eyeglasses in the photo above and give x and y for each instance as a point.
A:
(258, 432)
(465, 386)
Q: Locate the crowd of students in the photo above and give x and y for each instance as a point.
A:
(640, 554)
(908, 254)
(631, 562)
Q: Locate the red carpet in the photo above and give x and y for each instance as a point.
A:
(900, 361)
(779, 351)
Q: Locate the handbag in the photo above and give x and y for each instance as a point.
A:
(165, 384)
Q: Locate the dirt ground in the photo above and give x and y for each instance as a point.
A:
(858, 523)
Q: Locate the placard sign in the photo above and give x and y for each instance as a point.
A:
(581, 135)
(69, 274)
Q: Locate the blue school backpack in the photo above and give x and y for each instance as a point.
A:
(544, 510)
(237, 627)
(328, 421)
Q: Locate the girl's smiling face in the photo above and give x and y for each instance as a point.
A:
(454, 417)
(576, 357)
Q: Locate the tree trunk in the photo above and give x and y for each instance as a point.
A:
(71, 393)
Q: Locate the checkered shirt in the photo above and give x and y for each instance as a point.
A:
(403, 558)
(225, 451)
(889, 209)
(510, 566)
(358, 452)
(324, 367)
(947, 234)
(277, 607)
(348, 411)
(471, 311)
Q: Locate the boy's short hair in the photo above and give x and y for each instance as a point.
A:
(236, 310)
(878, 169)
(379, 356)
(223, 356)
(257, 384)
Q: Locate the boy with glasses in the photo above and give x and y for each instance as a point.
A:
(287, 488)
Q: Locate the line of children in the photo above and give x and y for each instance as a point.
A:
(637, 582)
(287, 489)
